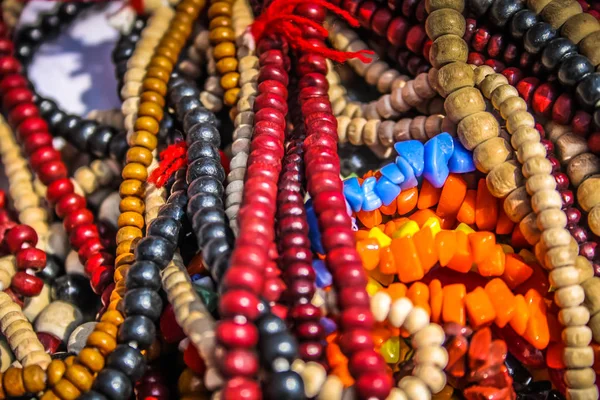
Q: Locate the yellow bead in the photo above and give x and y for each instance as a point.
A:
(227, 64)
(225, 49)
(465, 228)
(230, 80)
(434, 225)
(231, 96)
(406, 230)
(507, 249)
(135, 171)
(384, 279)
(390, 350)
(373, 286)
(383, 239)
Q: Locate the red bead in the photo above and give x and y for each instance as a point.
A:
(356, 317)
(313, 80)
(51, 171)
(594, 142)
(76, 218)
(374, 385)
(480, 39)
(581, 123)
(415, 38)
(496, 65)
(310, 351)
(6, 47)
(43, 155)
(495, 45)
(279, 310)
(49, 341)
(568, 198)
(13, 81)
(192, 359)
(274, 87)
(16, 96)
(26, 285)
(408, 7)
(169, 328)
(309, 330)
(272, 289)
(37, 140)
(269, 72)
(239, 302)
(31, 258)
(105, 297)
(239, 362)
(365, 13)
(21, 112)
(2, 199)
(305, 312)
(311, 11)
(245, 277)
(68, 203)
(511, 53)
(59, 188)
(562, 110)
(364, 361)
(351, 6)
(311, 63)
(232, 334)
(270, 100)
(32, 125)
(274, 58)
(526, 87)
(476, 58)
(97, 260)
(20, 237)
(9, 65)
(81, 233)
(381, 20)
(353, 297)
(101, 278)
(470, 29)
(240, 388)
(543, 99)
(355, 340)
(396, 31)
(427, 49)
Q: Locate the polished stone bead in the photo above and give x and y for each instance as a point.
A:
(46, 107)
(538, 36)
(139, 329)
(113, 384)
(143, 274)
(128, 360)
(573, 69)
(556, 51)
(165, 227)
(284, 385)
(142, 301)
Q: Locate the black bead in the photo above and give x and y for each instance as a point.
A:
(573, 69)
(522, 21)
(198, 115)
(202, 149)
(99, 141)
(143, 274)
(556, 51)
(50, 24)
(51, 271)
(31, 35)
(122, 52)
(219, 266)
(113, 384)
(128, 360)
(91, 395)
(286, 385)
(597, 119)
(210, 231)
(80, 135)
(118, 147)
(165, 227)
(176, 93)
(203, 132)
(144, 302)
(68, 11)
(214, 250)
(205, 167)
(166, 125)
(67, 125)
(479, 7)
(202, 201)
(587, 91)
(520, 374)
(179, 198)
(187, 104)
(206, 184)
(281, 345)
(172, 211)
(24, 52)
(46, 107)
(538, 36)
(138, 25)
(207, 216)
(74, 289)
(179, 184)
(95, 199)
(502, 10)
(139, 329)
(270, 325)
(155, 249)
(55, 119)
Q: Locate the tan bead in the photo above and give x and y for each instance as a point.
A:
(594, 219)
(580, 378)
(529, 150)
(445, 22)
(523, 135)
(454, 76)
(588, 193)
(537, 183)
(432, 5)
(519, 119)
(477, 128)
(570, 145)
(491, 153)
(529, 229)
(589, 393)
(374, 71)
(537, 5)
(517, 204)
(511, 105)
(589, 47)
(355, 131)
(463, 103)
(447, 49)
(370, 132)
(504, 179)
(578, 357)
(581, 167)
(565, 276)
(503, 93)
(559, 11)
(580, 26)
(575, 316)
(535, 166)
(144, 139)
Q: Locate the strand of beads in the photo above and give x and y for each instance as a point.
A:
(113, 118)
(125, 48)
(195, 56)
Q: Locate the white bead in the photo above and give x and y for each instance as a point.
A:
(400, 310)
(433, 377)
(314, 376)
(397, 394)
(431, 335)
(435, 355)
(73, 265)
(417, 319)
(415, 388)
(332, 389)
(381, 303)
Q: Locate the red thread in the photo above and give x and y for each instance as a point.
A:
(279, 19)
(171, 159)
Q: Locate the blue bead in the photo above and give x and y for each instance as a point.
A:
(413, 152)
(410, 180)
(371, 200)
(462, 160)
(322, 276)
(392, 172)
(329, 325)
(446, 143)
(353, 193)
(387, 190)
(436, 165)
(313, 228)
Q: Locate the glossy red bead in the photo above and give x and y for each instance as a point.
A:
(96, 261)
(32, 125)
(169, 328)
(562, 110)
(78, 217)
(374, 385)
(9, 65)
(240, 388)
(581, 123)
(381, 20)
(192, 359)
(16, 96)
(81, 233)
(352, 341)
(26, 285)
(13, 81)
(248, 278)
(365, 13)
(21, 112)
(37, 140)
(526, 87)
(20, 237)
(232, 334)
(101, 278)
(415, 38)
(31, 258)
(50, 342)
(6, 47)
(51, 171)
(239, 302)
(365, 361)
(239, 362)
(543, 99)
(397, 30)
(43, 155)
(68, 203)
(59, 188)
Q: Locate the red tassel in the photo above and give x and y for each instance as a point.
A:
(279, 19)
(171, 159)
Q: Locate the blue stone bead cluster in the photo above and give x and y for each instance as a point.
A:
(433, 161)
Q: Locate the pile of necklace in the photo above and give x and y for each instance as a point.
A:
(307, 199)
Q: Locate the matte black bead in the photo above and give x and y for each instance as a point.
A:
(74, 289)
(187, 104)
(139, 329)
(502, 10)
(176, 93)
(99, 141)
(479, 7)
(143, 274)
(155, 249)
(202, 201)
(587, 91)
(538, 36)
(67, 125)
(281, 345)
(207, 216)
(270, 325)
(206, 184)
(128, 360)
(113, 384)
(522, 21)
(205, 167)
(144, 302)
(214, 250)
(202, 149)
(556, 51)
(165, 227)
(118, 147)
(210, 231)
(91, 395)
(286, 385)
(573, 69)
(80, 135)
(203, 132)
(198, 116)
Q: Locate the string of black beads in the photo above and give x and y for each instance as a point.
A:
(124, 50)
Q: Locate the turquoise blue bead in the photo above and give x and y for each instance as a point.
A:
(393, 173)
(413, 152)
(446, 143)
(436, 164)
(387, 190)
(410, 181)
(371, 201)
(353, 193)
(462, 160)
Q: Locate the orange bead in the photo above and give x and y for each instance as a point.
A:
(493, 265)
(521, 315)
(462, 260)
(387, 264)
(503, 300)
(429, 195)
(445, 245)
(486, 208)
(516, 271)
(396, 291)
(380, 335)
(407, 200)
(425, 244)
(452, 196)
(504, 226)
(389, 228)
(390, 209)
(466, 212)
(421, 216)
(537, 332)
(341, 371)
(418, 293)
(407, 260)
(453, 308)
(361, 234)
(479, 308)
(369, 219)
(482, 243)
(368, 249)
(436, 298)
(334, 355)
(554, 356)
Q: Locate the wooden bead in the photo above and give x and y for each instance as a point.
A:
(579, 26)
(535, 166)
(511, 105)
(589, 393)
(594, 219)
(477, 128)
(355, 131)
(102, 341)
(537, 183)
(80, 377)
(432, 5)
(148, 124)
(589, 47)
(152, 97)
(537, 5)
(491, 82)
(445, 22)
(135, 171)
(559, 11)
(565, 276)
(570, 296)
(463, 103)
(91, 358)
(504, 178)
(578, 357)
(580, 378)
(576, 316)
(140, 155)
(454, 76)
(503, 93)
(491, 153)
(34, 379)
(66, 390)
(588, 193)
(447, 49)
(529, 150)
(128, 233)
(55, 371)
(582, 167)
(12, 381)
(570, 145)
(227, 64)
(529, 229)
(144, 139)
(577, 336)
(519, 119)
